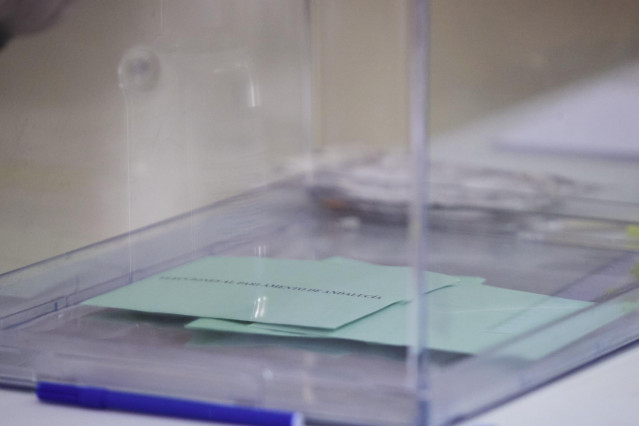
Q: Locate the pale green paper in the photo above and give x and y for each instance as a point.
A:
(551, 339)
(321, 294)
(466, 318)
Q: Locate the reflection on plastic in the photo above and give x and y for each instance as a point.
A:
(260, 307)
(139, 69)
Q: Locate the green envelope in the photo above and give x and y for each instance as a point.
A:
(320, 294)
(467, 317)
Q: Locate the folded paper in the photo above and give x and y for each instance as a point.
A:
(320, 294)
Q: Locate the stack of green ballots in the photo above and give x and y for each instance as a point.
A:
(339, 298)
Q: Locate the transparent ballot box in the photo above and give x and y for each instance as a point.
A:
(384, 212)
(174, 233)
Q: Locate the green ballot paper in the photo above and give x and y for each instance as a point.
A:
(316, 294)
(467, 317)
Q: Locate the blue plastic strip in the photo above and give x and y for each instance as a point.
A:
(93, 397)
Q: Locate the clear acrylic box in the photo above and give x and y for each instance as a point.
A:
(492, 143)
(200, 129)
